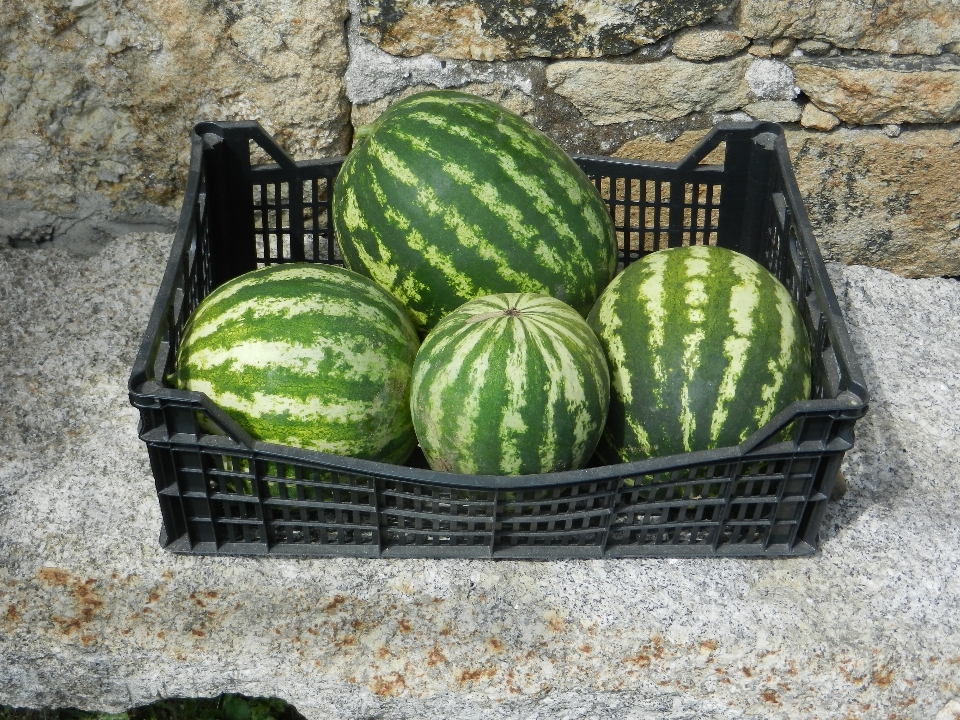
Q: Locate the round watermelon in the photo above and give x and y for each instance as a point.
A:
(510, 384)
(313, 356)
(704, 346)
(449, 197)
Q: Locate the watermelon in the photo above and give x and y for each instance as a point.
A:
(510, 384)
(312, 356)
(704, 346)
(449, 197)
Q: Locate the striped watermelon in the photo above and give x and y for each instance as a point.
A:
(704, 347)
(450, 197)
(313, 356)
(510, 384)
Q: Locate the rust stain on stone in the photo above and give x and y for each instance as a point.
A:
(882, 676)
(495, 644)
(54, 576)
(641, 659)
(586, 649)
(389, 685)
(347, 641)
(850, 677)
(555, 623)
(335, 603)
(405, 626)
(435, 657)
(770, 696)
(197, 632)
(747, 671)
(709, 645)
(465, 676)
(83, 593)
(383, 652)
(12, 613)
(657, 642)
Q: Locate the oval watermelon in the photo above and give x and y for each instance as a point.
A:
(313, 356)
(510, 384)
(450, 197)
(704, 346)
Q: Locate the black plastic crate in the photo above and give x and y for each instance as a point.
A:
(232, 495)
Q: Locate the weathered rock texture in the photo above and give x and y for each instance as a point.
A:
(706, 44)
(872, 199)
(97, 97)
(778, 111)
(494, 30)
(887, 26)
(877, 90)
(816, 119)
(93, 614)
(609, 93)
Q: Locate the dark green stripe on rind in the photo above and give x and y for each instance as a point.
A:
(307, 355)
(704, 347)
(452, 197)
(510, 384)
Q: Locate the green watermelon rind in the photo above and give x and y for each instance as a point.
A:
(450, 197)
(704, 347)
(510, 384)
(306, 355)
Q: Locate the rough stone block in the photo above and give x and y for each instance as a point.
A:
(771, 80)
(814, 118)
(98, 98)
(668, 89)
(703, 44)
(488, 30)
(871, 90)
(900, 27)
(779, 111)
(872, 199)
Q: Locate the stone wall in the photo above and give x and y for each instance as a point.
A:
(98, 96)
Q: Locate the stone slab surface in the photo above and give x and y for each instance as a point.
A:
(93, 614)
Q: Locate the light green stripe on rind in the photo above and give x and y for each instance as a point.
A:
(789, 321)
(651, 295)
(297, 359)
(555, 340)
(744, 299)
(512, 425)
(696, 268)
